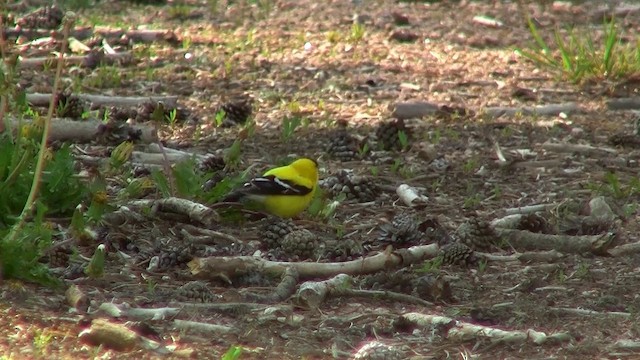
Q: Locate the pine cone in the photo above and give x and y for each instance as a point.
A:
(275, 229)
(59, 257)
(378, 351)
(151, 111)
(343, 250)
(344, 146)
(388, 134)
(300, 244)
(458, 254)
(47, 17)
(196, 291)
(236, 112)
(212, 163)
(535, 224)
(477, 234)
(360, 188)
(404, 229)
(399, 281)
(176, 256)
(70, 106)
(436, 233)
(433, 288)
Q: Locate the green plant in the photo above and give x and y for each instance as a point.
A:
(171, 117)
(41, 341)
(289, 125)
(322, 207)
(357, 32)
(220, 115)
(432, 266)
(404, 140)
(482, 266)
(578, 58)
(470, 165)
(395, 167)
(233, 353)
(95, 268)
(333, 37)
(105, 77)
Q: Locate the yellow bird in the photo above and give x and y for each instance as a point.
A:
(283, 191)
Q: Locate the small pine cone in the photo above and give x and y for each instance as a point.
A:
(458, 254)
(399, 281)
(212, 163)
(116, 114)
(236, 112)
(594, 226)
(535, 224)
(196, 291)
(343, 147)
(47, 17)
(388, 134)
(300, 244)
(477, 234)
(59, 257)
(378, 351)
(433, 288)
(436, 233)
(275, 229)
(343, 250)
(360, 188)
(175, 257)
(404, 229)
(151, 111)
(70, 106)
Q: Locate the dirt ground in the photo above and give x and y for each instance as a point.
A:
(306, 59)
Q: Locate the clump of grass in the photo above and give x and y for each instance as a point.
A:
(578, 57)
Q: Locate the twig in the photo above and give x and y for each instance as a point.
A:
(458, 330)
(39, 99)
(231, 267)
(544, 110)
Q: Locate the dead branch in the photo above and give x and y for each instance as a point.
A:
(461, 331)
(525, 240)
(313, 293)
(125, 310)
(632, 103)
(85, 131)
(39, 99)
(529, 209)
(626, 249)
(414, 109)
(578, 148)
(232, 267)
(383, 295)
(283, 291)
(410, 196)
(109, 33)
(236, 308)
(589, 313)
(211, 329)
(526, 257)
(195, 211)
(543, 110)
(146, 158)
(90, 60)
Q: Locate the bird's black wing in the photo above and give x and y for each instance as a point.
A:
(272, 185)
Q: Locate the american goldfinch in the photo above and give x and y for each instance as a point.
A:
(283, 191)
